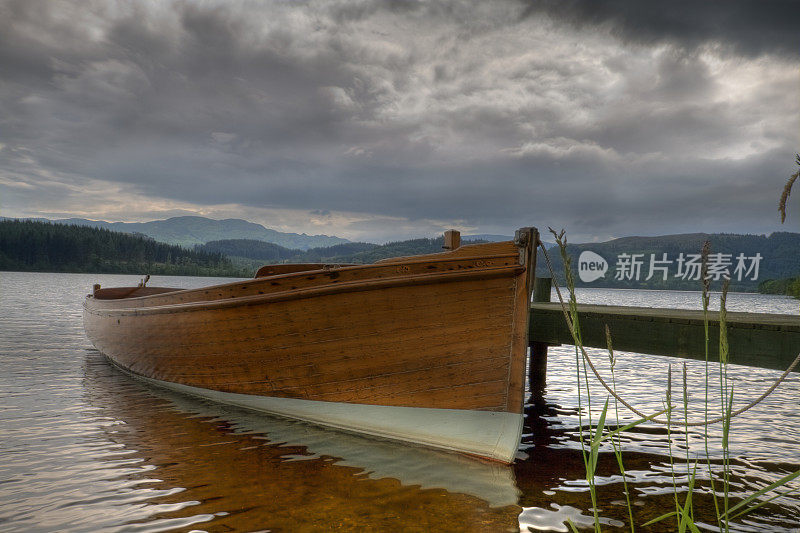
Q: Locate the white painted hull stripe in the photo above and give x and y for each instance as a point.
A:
(494, 435)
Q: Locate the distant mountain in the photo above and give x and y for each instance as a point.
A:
(268, 252)
(490, 237)
(188, 231)
(779, 259)
(252, 254)
(393, 249)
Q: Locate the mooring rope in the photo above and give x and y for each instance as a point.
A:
(611, 391)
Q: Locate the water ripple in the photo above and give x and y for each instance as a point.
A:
(84, 448)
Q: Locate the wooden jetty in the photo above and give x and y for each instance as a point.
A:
(754, 339)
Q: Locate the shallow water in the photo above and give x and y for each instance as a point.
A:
(85, 448)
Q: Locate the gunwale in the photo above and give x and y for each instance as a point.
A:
(386, 265)
(310, 292)
(336, 275)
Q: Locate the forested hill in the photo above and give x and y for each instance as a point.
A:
(779, 259)
(50, 247)
(250, 252)
(47, 247)
(190, 230)
(267, 252)
(631, 262)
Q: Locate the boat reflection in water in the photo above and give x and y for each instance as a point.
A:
(229, 467)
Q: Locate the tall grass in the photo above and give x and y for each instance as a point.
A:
(684, 514)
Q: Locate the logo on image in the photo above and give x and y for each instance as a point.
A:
(591, 266)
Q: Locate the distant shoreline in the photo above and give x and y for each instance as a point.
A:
(139, 274)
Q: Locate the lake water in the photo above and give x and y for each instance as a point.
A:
(85, 448)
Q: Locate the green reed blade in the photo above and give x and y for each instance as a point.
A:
(726, 424)
(759, 504)
(635, 423)
(782, 481)
(686, 518)
(660, 518)
(595, 444)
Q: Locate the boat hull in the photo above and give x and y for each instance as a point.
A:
(428, 350)
(487, 434)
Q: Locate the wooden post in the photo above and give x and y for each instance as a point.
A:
(537, 368)
(452, 239)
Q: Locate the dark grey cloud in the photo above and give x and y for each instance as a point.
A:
(474, 113)
(750, 27)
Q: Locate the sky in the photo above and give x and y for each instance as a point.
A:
(386, 120)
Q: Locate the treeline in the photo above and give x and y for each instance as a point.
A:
(47, 247)
(252, 252)
(268, 252)
(788, 286)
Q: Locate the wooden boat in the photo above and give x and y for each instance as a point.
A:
(425, 349)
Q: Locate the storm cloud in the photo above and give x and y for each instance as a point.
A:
(381, 120)
(747, 27)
